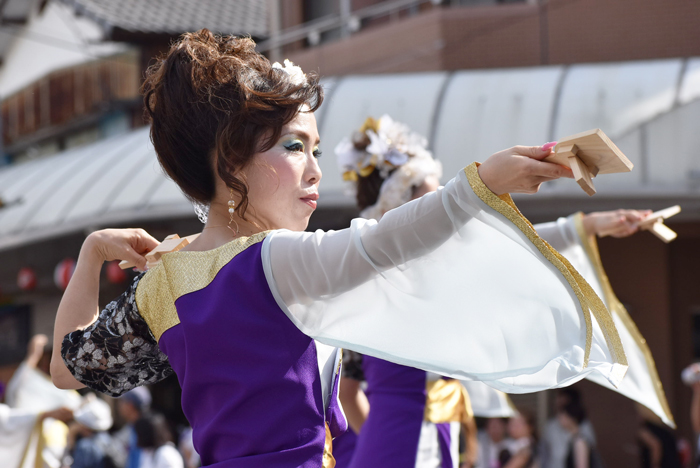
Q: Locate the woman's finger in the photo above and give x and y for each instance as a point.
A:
(551, 170)
(134, 258)
(144, 242)
(535, 152)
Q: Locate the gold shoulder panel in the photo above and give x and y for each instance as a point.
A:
(447, 401)
(180, 273)
(589, 300)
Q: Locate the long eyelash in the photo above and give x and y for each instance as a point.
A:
(318, 153)
(295, 147)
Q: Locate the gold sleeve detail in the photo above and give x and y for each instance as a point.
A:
(589, 300)
(447, 401)
(180, 273)
(590, 246)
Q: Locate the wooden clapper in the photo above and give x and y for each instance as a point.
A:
(172, 243)
(589, 154)
(655, 223)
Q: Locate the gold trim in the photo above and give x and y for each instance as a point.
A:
(37, 431)
(590, 246)
(447, 401)
(589, 300)
(180, 273)
(328, 459)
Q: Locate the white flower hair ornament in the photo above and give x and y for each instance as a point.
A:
(399, 154)
(295, 72)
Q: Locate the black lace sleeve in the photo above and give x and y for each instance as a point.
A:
(118, 352)
(352, 365)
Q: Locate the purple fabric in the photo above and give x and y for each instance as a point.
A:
(343, 448)
(444, 440)
(396, 397)
(334, 413)
(249, 377)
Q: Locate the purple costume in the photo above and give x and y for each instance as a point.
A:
(390, 435)
(237, 357)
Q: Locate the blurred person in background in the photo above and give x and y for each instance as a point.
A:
(580, 452)
(523, 450)
(88, 444)
(155, 440)
(493, 440)
(131, 407)
(31, 392)
(691, 377)
(657, 442)
(19, 429)
(556, 439)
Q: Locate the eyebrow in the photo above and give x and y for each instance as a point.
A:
(302, 134)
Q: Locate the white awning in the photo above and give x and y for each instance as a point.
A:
(110, 182)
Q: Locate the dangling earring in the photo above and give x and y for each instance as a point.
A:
(231, 211)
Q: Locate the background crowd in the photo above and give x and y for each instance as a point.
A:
(103, 432)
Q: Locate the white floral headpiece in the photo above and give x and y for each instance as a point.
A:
(295, 72)
(399, 154)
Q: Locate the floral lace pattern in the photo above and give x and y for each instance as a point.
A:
(352, 365)
(118, 352)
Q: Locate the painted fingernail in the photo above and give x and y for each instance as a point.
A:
(548, 146)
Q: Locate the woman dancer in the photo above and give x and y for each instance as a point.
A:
(241, 315)
(389, 165)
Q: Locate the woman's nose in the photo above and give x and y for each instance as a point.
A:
(313, 171)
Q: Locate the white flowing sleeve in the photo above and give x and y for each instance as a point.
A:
(642, 383)
(488, 402)
(457, 282)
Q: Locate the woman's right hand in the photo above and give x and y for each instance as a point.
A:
(520, 170)
(121, 244)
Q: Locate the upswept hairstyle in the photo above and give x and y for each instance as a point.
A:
(214, 98)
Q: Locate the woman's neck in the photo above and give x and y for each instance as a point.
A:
(219, 230)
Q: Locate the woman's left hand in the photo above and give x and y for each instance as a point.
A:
(618, 223)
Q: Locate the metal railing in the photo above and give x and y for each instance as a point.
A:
(347, 23)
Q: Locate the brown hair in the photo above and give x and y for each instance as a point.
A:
(368, 189)
(214, 96)
(369, 186)
(531, 421)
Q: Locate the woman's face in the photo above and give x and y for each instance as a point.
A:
(283, 181)
(518, 427)
(566, 421)
(496, 429)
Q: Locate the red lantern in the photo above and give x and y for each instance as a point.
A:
(26, 279)
(115, 274)
(63, 273)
